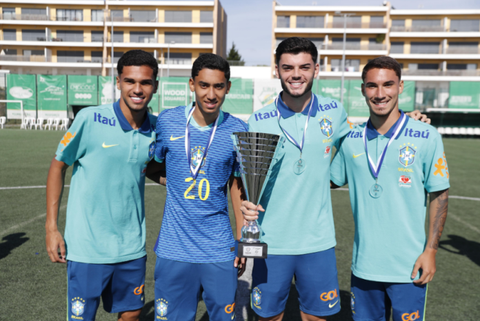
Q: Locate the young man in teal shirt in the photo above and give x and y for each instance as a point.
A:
(111, 148)
(391, 163)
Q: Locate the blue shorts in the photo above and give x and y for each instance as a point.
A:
(178, 286)
(120, 285)
(373, 301)
(315, 279)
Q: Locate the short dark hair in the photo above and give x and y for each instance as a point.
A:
(296, 45)
(137, 58)
(210, 61)
(383, 62)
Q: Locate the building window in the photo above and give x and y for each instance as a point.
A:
(117, 55)
(97, 56)
(69, 15)
(97, 15)
(33, 52)
(10, 55)
(70, 56)
(34, 14)
(118, 36)
(427, 67)
(143, 16)
(318, 42)
(465, 25)
(350, 64)
(352, 22)
(350, 43)
(8, 13)
(462, 48)
(462, 66)
(97, 36)
(206, 37)
(398, 25)
(425, 47)
(9, 34)
(142, 36)
(206, 16)
(33, 35)
(376, 22)
(179, 58)
(283, 21)
(117, 15)
(178, 16)
(178, 37)
(70, 35)
(396, 47)
(310, 22)
(427, 25)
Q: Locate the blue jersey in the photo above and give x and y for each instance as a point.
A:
(196, 226)
(390, 230)
(105, 212)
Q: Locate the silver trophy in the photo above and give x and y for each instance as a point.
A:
(255, 154)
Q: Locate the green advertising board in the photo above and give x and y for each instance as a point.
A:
(105, 91)
(464, 94)
(240, 98)
(82, 90)
(154, 104)
(355, 102)
(173, 92)
(52, 96)
(406, 100)
(329, 88)
(21, 87)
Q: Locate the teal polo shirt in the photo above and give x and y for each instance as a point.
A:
(298, 210)
(390, 230)
(105, 211)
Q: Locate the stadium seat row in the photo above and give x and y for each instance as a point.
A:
(459, 131)
(42, 123)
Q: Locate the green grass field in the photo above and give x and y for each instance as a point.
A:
(32, 288)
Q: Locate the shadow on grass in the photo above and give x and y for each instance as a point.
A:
(462, 246)
(10, 242)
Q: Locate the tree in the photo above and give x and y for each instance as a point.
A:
(234, 58)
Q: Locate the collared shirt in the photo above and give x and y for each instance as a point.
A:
(390, 230)
(298, 215)
(105, 212)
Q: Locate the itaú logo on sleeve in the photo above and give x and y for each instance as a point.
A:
(411, 316)
(328, 296)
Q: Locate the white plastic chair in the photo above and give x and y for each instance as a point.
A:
(39, 123)
(441, 130)
(3, 120)
(48, 124)
(448, 130)
(30, 122)
(56, 123)
(65, 123)
(470, 131)
(456, 130)
(463, 131)
(476, 131)
(24, 124)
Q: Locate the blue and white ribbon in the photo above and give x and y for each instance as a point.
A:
(194, 170)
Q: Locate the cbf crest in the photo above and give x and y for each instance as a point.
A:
(78, 306)
(162, 307)
(257, 296)
(151, 150)
(197, 156)
(407, 154)
(326, 126)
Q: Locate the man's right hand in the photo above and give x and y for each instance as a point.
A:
(56, 243)
(250, 210)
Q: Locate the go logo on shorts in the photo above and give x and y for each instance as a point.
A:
(328, 296)
(230, 308)
(411, 316)
(139, 289)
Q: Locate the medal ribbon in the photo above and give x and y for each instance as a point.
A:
(375, 168)
(194, 170)
(289, 137)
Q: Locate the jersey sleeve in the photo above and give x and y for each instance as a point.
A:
(160, 145)
(338, 173)
(344, 126)
(435, 167)
(73, 145)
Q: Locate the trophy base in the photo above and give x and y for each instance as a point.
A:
(252, 250)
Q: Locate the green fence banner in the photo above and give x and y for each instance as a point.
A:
(52, 96)
(21, 87)
(464, 94)
(153, 104)
(173, 92)
(329, 88)
(82, 90)
(406, 100)
(240, 98)
(355, 103)
(105, 91)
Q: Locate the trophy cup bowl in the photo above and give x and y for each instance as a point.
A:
(255, 154)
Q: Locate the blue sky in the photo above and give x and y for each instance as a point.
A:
(250, 21)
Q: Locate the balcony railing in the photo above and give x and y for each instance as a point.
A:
(356, 46)
(417, 28)
(23, 58)
(14, 16)
(463, 50)
(423, 72)
(362, 25)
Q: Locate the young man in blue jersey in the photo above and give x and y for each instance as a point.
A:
(391, 163)
(111, 147)
(195, 247)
